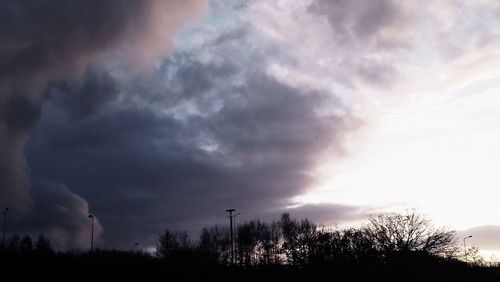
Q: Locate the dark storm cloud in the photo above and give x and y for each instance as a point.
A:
(19, 114)
(53, 39)
(57, 213)
(42, 34)
(86, 97)
(48, 41)
(204, 134)
(40, 39)
(248, 145)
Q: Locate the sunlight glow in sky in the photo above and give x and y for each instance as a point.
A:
(423, 78)
(438, 151)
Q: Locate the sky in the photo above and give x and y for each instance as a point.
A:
(163, 114)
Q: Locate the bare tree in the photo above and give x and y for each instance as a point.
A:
(185, 241)
(247, 241)
(269, 246)
(298, 239)
(216, 243)
(168, 243)
(395, 232)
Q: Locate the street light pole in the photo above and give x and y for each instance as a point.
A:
(465, 247)
(4, 225)
(230, 211)
(231, 216)
(91, 216)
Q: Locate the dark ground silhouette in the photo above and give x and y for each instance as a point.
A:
(391, 247)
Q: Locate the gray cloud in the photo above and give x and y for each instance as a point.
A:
(486, 237)
(353, 20)
(52, 39)
(86, 97)
(451, 28)
(57, 213)
(211, 135)
(330, 214)
(366, 38)
(51, 42)
(211, 128)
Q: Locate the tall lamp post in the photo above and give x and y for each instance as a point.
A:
(231, 216)
(465, 247)
(4, 225)
(91, 216)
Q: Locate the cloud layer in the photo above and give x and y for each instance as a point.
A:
(50, 40)
(249, 102)
(213, 135)
(59, 214)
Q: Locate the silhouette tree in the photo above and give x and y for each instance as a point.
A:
(410, 232)
(26, 245)
(247, 239)
(215, 243)
(13, 245)
(43, 245)
(184, 240)
(360, 247)
(474, 257)
(270, 241)
(168, 244)
(298, 239)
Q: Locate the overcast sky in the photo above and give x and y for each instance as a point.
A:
(162, 114)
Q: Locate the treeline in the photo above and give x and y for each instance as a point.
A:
(17, 245)
(301, 243)
(389, 246)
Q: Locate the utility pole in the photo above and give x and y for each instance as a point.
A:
(230, 211)
(231, 217)
(4, 225)
(91, 216)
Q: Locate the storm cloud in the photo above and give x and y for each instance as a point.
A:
(211, 128)
(57, 213)
(250, 144)
(52, 40)
(247, 104)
